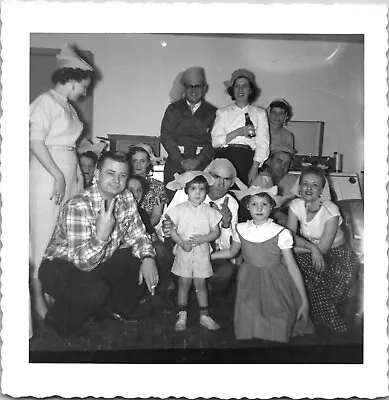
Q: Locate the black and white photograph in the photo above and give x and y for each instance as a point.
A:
(192, 200)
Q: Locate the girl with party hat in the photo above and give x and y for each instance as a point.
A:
(271, 303)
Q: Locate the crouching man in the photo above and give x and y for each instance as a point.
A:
(99, 254)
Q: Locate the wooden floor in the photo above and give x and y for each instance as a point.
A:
(153, 339)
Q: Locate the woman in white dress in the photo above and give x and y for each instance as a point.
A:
(55, 175)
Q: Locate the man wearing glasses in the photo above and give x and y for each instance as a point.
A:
(186, 127)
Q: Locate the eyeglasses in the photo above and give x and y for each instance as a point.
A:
(195, 87)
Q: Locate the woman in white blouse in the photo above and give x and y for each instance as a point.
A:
(326, 262)
(246, 146)
(55, 175)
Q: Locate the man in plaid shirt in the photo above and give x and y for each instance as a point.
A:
(99, 254)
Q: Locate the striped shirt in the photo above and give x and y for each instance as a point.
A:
(75, 240)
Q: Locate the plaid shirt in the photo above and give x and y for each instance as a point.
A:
(74, 238)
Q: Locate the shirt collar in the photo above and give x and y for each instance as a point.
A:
(264, 225)
(195, 107)
(56, 94)
(97, 198)
(244, 109)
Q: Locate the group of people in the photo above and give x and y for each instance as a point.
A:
(105, 235)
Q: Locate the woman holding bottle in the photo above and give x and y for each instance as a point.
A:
(55, 175)
(241, 130)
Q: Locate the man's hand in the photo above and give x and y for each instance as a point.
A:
(167, 226)
(105, 221)
(190, 164)
(225, 212)
(148, 271)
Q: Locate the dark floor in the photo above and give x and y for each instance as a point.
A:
(155, 331)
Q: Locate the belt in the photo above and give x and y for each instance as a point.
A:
(58, 147)
(240, 146)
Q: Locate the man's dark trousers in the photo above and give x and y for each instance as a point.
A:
(79, 294)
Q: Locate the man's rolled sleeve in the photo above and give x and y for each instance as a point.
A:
(136, 237)
(218, 132)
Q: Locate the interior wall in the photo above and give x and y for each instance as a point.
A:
(322, 77)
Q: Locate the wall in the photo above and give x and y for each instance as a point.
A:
(321, 76)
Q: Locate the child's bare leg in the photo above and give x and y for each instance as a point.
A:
(202, 295)
(183, 289)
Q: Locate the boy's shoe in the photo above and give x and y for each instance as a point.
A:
(209, 323)
(181, 321)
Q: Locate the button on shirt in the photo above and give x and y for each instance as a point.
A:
(75, 240)
(233, 117)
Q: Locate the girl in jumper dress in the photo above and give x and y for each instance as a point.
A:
(271, 303)
(196, 225)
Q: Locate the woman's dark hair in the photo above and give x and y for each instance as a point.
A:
(144, 183)
(198, 179)
(254, 90)
(113, 155)
(314, 170)
(284, 106)
(135, 149)
(91, 155)
(245, 201)
(64, 75)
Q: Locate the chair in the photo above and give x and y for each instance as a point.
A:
(353, 227)
(352, 213)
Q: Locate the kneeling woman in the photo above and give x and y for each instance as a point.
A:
(328, 266)
(245, 145)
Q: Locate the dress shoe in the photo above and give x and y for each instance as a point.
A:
(209, 323)
(105, 314)
(121, 318)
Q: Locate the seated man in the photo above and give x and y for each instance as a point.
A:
(88, 162)
(186, 127)
(224, 173)
(99, 253)
(276, 172)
